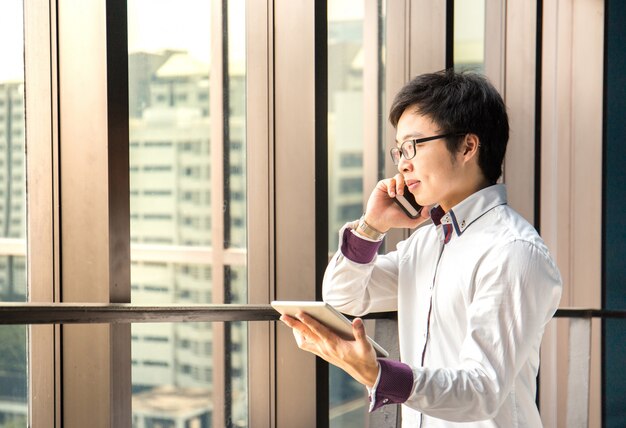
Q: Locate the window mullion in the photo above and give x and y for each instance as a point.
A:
(94, 207)
(40, 60)
(218, 118)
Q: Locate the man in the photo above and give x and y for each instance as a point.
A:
(474, 286)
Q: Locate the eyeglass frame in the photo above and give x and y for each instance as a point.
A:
(415, 142)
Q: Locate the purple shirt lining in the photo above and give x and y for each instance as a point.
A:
(436, 215)
(395, 384)
(357, 249)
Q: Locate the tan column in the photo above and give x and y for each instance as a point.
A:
(294, 121)
(94, 207)
(571, 183)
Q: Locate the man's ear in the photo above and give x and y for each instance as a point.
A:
(470, 146)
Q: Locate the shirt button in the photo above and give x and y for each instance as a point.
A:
(424, 335)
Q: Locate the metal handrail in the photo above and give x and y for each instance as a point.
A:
(588, 313)
(114, 313)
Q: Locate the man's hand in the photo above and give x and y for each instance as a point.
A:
(356, 357)
(382, 213)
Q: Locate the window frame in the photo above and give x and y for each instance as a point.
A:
(55, 35)
(284, 233)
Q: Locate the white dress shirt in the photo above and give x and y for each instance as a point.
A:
(473, 296)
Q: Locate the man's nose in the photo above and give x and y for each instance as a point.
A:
(404, 165)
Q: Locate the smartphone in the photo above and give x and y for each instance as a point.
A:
(408, 204)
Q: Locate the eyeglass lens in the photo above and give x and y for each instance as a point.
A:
(407, 149)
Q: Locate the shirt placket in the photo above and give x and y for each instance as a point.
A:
(445, 234)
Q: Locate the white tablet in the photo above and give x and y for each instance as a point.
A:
(326, 314)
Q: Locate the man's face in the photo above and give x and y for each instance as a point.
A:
(434, 175)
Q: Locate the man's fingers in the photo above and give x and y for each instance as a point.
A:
(358, 329)
(287, 320)
(399, 178)
(316, 327)
(297, 326)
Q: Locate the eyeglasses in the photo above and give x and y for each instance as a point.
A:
(407, 149)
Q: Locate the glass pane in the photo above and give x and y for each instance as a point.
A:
(469, 35)
(235, 133)
(236, 351)
(383, 144)
(347, 398)
(176, 361)
(13, 288)
(188, 196)
(13, 380)
(345, 114)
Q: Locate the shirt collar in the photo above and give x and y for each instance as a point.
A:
(462, 215)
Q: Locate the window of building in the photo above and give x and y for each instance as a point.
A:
(352, 185)
(351, 160)
(174, 66)
(13, 286)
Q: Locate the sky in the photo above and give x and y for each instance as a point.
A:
(153, 25)
(11, 40)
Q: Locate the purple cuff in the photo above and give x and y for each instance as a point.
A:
(357, 249)
(395, 385)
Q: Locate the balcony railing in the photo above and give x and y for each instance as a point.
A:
(70, 313)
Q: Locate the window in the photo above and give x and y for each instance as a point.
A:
(348, 57)
(170, 79)
(158, 144)
(469, 35)
(350, 160)
(201, 101)
(353, 185)
(13, 338)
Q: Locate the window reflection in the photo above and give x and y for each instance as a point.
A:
(469, 35)
(175, 190)
(13, 339)
(235, 280)
(180, 364)
(345, 112)
(347, 402)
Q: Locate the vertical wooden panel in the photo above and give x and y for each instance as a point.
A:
(427, 37)
(294, 71)
(396, 75)
(371, 94)
(571, 139)
(416, 44)
(40, 63)
(587, 103)
(554, 167)
(93, 100)
(495, 42)
(519, 96)
(259, 132)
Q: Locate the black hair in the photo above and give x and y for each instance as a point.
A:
(460, 103)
